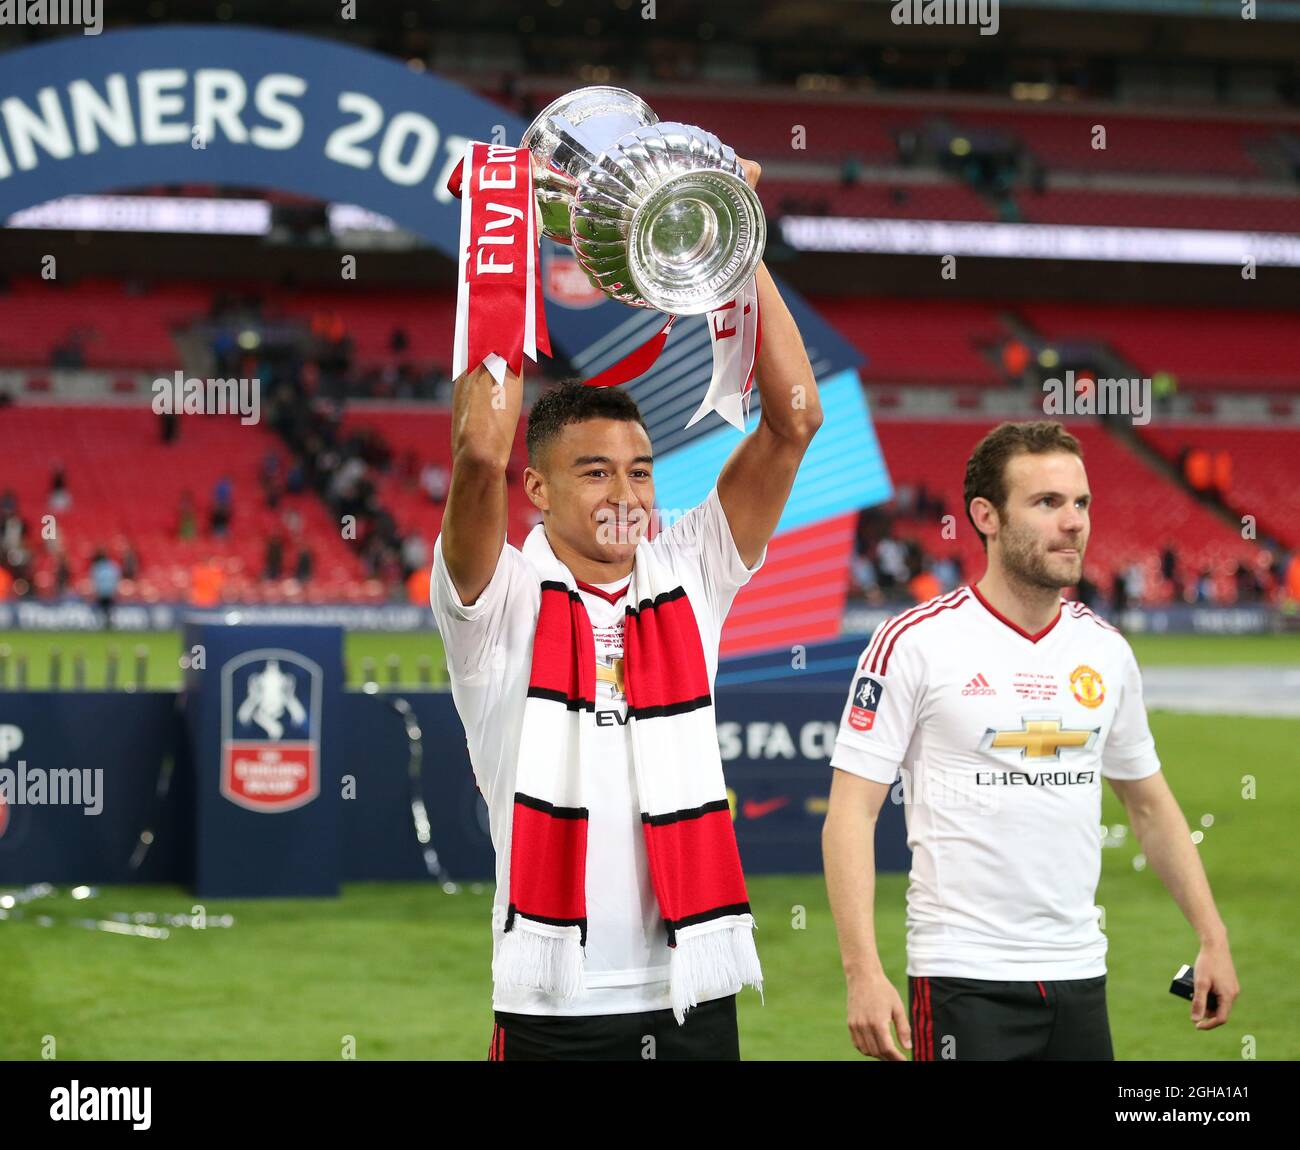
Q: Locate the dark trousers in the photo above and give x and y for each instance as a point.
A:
(975, 1019)
(709, 1034)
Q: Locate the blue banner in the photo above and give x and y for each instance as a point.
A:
(85, 778)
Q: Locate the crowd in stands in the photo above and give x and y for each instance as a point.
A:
(898, 557)
(20, 539)
(891, 567)
(338, 466)
(303, 394)
(326, 351)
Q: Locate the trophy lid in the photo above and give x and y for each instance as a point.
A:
(556, 135)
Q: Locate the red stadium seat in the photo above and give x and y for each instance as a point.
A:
(930, 342)
(125, 482)
(1265, 469)
(1213, 348)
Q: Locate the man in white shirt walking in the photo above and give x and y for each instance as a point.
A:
(582, 667)
(1005, 705)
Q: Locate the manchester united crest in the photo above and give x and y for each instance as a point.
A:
(1087, 686)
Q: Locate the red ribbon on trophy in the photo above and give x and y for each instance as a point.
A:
(500, 308)
(736, 333)
(500, 312)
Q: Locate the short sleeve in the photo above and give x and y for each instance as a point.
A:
(880, 714)
(702, 539)
(1130, 750)
(470, 634)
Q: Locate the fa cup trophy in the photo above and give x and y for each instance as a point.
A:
(658, 214)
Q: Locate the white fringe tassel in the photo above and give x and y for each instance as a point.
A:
(713, 957)
(538, 956)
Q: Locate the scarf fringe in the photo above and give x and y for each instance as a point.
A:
(713, 959)
(540, 959)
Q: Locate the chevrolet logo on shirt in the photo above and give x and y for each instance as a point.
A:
(1040, 739)
(610, 673)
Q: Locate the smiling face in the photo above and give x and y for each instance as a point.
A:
(595, 488)
(1040, 536)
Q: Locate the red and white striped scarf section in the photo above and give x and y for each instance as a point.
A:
(690, 841)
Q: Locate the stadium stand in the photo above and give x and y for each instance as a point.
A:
(762, 128)
(1264, 465)
(1161, 210)
(125, 483)
(113, 455)
(1133, 143)
(927, 201)
(937, 342)
(1252, 350)
(121, 326)
(114, 325)
(1137, 508)
(369, 318)
(424, 434)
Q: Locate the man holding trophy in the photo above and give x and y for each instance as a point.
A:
(582, 665)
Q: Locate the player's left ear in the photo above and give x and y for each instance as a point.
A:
(535, 489)
(985, 516)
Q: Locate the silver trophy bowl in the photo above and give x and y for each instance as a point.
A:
(658, 214)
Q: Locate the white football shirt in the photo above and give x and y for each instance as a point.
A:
(1000, 740)
(489, 649)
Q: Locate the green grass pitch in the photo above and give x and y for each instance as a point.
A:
(404, 968)
(162, 654)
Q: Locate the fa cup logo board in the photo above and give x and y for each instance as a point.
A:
(270, 730)
(866, 698)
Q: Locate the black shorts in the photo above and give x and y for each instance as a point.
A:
(975, 1019)
(708, 1035)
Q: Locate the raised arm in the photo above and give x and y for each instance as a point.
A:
(755, 482)
(484, 417)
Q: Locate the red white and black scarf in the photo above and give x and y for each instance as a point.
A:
(690, 842)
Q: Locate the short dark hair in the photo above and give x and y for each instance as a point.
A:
(572, 401)
(986, 469)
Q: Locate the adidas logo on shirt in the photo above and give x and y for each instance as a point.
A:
(978, 686)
